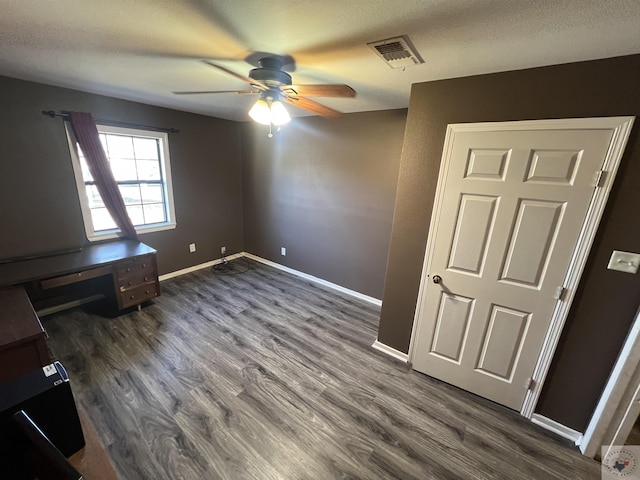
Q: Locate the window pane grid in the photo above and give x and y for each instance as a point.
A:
(136, 164)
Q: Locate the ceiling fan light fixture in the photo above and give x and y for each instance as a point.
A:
(267, 111)
(279, 114)
(260, 112)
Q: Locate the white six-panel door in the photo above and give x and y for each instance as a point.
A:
(512, 206)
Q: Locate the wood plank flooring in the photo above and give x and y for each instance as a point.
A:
(262, 375)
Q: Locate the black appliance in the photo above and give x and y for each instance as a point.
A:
(45, 396)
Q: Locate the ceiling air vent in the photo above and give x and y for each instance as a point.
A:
(397, 52)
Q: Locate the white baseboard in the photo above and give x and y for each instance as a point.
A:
(320, 281)
(397, 354)
(557, 428)
(184, 271)
(298, 273)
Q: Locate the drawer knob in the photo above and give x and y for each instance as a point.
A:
(130, 283)
(146, 278)
(128, 269)
(146, 292)
(132, 297)
(144, 265)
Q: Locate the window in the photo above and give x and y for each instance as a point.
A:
(139, 160)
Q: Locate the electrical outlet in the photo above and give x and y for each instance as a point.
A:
(283, 251)
(223, 250)
(192, 247)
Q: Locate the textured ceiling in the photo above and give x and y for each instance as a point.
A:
(143, 50)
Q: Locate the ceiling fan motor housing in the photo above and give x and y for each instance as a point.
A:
(270, 73)
(271, 77)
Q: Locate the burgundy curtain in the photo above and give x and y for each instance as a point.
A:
(86, 132)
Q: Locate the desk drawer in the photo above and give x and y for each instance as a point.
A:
(136, 267)
(136, 280)
(137, 295)
(75, 277)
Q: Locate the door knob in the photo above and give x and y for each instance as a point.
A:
(437, 279)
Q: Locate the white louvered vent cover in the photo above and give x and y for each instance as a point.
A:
(397, 52)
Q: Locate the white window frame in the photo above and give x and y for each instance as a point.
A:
(165, 166)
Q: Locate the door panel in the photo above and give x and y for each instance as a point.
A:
(487, 164)
(451, 326)
(512, 205)
(549, 166)
(502, 342)
(532, 241)
(475, 220)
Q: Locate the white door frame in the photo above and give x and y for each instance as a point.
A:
(621, 127)
(619, 406)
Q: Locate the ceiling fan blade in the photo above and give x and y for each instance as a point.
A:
(311, 106)
(250, 81)
(339, 90)
(215, 91)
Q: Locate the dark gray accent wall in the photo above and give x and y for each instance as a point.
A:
(606, 301)
(325, 190)
(40, 210)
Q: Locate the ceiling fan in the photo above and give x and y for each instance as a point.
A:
(274, 86)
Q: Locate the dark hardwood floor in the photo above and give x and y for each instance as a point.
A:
(263, 375)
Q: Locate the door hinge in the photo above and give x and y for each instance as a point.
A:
(599, 178)
(560, 293)
(529, 384)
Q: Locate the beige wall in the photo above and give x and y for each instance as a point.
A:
(606, 300)
(325, 190)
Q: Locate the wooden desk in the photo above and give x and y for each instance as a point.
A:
(22, 339)
(129, 264)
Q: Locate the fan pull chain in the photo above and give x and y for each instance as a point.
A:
(270, 135)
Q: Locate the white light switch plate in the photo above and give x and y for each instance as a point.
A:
(624, 261)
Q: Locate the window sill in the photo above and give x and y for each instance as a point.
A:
(111, 234)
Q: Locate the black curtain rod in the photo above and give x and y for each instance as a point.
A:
(113, 123)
